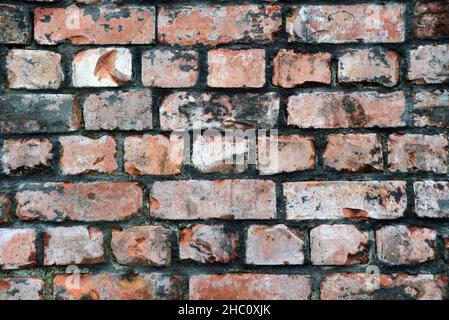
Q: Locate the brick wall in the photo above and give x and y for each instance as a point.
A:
(99, 200)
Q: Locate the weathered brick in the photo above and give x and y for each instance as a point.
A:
(217, 153)
(170, 68)
(368, 23)
(5, 209)
(15, 25)
(17, 248)
(249, 286)
(113, 286)
(93, 201)
(375, 65)
(345, 199)
(219, 199)
(236, 68)
(212, 25)
(353, 152)
(349, 286)
(86, 155)
(364, 286)
(431, 108)
(207, 244)
(417, 152)
(118, 110)
(95, 25)
(432, 199)
(154, 154)
(274, 245)
(431, 20)
(102, 67)
(344, 110)
(277, 154)
(21, 289)
(23, 156)
(338, 244)
(429, 64)
(73, 245)
(142, 245)
(405, 245)
(33, 69)
(182, 110)
(32, 113)
(291, 68)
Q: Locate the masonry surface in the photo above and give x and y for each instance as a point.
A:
(97, 200)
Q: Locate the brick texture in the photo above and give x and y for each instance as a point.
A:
(236, 68)
(347, 23)
(123, 25)
(34, 69)
(250, 150)
(212, 25)
(143, 245)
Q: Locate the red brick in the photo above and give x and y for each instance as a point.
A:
(344, 110)
(219, 199)
(102, 67)
(22, 156)
(21, 289)
(236, 68)
(33, 69)
(353, 152)
(118, 110)
(93, 201)
(431, 20)
(398, 245)
(364, 286)
(217, 153)
(207, 244)
(338, 244)
(431, 199)
(368, 23)
(185, 111)
(213, 25)
(274, 245)
(85, 155)
(291, 68)
(110, 286)
(39, 113)
(73, 245)
(5, 209)
(15, 25)
(277, 154)
(170, 68)
(369, 65)
(103, 25)
(17, 248)
(249, 287)
(345, 199)
(417, 152)
(420, 287)
(154, 154)
(430, 108)
(429, 64)
(142, 245)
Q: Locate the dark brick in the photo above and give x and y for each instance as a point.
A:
(14, 25)
(31, 113)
